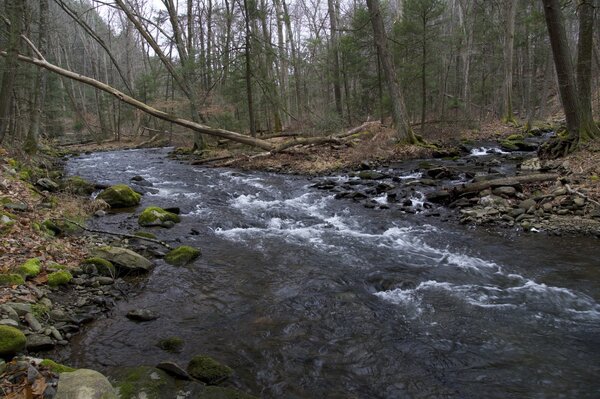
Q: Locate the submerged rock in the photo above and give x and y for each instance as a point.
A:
(171, 344)
(182, 255)
(120, 196)
(142, 315)
(208, 370)
(84, 384)
(155, 216)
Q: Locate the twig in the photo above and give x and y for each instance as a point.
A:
(582, 195)
(118, 234)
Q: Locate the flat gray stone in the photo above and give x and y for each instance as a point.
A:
(34, 324)
(39, 343)
(84, 384)
(142, 315)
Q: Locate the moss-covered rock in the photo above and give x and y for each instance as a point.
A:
(170, 344)
(208, 370)
(30, 268)
(155, 216)
(78, 186)
(12, 341)
(224, 393)
(124, 259)
(182, 255)
(144, 234)
(120, 196)
(7, 221)
(515, 137)
(84, 383)
(146, 382)
(11, 279)
(97, 265)
(60, 277)
(56, 367)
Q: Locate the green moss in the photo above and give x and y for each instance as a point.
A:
(61, 277)
(56, 367)
(171, 344)
(102, 266)
(515, 137)
(11, 279)
(30, 268)
(509, 145)
(594, 178)
(208, 370)
(120, 196)
(145, 234)
(182, 255)
(39, 309)
(153, 216)
(78, 186)
(147, 382)
(12, 340)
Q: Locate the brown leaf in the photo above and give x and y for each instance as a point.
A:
(39, 386)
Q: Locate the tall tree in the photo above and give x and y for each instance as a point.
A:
(15, 9)
(39, 91)
(576, 132)
(398, 108)
(509, 43)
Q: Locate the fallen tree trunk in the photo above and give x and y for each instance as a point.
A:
(197, 127)
(448, 193)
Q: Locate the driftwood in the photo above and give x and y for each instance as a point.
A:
(582, 195)
(210, 160)
(164, 244)
(505, 181)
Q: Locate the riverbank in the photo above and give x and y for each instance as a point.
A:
(55, 279)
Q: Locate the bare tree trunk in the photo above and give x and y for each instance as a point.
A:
(337, 90)
(398, 108)
(31, 143)
(509, 41)
(589, 129)
(295, 62)
(15, 10)
(251, 121)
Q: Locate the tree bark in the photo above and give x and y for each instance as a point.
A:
(337, 90)
(399, 114)
(15, 10)
(589, 129)
(31, 143)
(509, 41)
(248, 72)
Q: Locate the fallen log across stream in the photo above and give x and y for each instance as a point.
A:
(449, 193)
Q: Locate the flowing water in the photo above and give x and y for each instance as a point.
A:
(307, 296)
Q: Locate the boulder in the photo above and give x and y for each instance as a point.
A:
(182, 255)
(173, 369)
(208, 370)
(12, 341)
(30, 268)
(47, 184)
(124, 259)
(6, 222)
(505, 191)
(97, 265)
(142, 315)
(155, 216)
(11, 279)
(531, 164)
(120, 196)
(78, 186)
(149, 383)
(84, 384)
(39, 342)
(370, 175)
(58, 278)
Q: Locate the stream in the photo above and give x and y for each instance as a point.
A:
(307, 296)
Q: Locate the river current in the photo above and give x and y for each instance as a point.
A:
(308, 296)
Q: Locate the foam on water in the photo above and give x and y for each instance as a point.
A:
(530, 296)
(481, 151)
